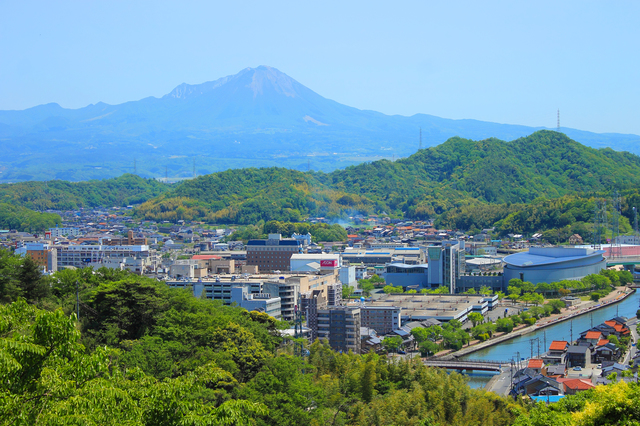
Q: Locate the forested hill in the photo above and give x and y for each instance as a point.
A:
(62, 195)
(451, 177)
(457, 173)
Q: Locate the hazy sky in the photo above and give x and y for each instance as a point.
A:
(507, 62)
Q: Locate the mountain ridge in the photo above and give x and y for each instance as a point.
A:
(257, 117)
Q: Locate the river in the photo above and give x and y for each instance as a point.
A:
(527, 345)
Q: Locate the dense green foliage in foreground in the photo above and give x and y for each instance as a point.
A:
(144, 354)
(61, 195)
(149, 355)
(24, 219)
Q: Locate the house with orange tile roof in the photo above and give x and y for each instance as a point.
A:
(573, 386)
(592, 337)
(536, 364)
(557, 352)
(620, 329)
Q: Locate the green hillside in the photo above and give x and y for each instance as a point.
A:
(62, 195)
(23, 219)
(433, 181)
(462, 183)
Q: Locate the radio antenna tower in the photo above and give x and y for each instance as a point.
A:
(194, 167)
(635, 225)
(135, 167)
(166, 174)
(596, 226)
(558, 119)
(420, 147)
(616, 248)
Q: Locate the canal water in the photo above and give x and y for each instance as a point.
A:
(526, 346)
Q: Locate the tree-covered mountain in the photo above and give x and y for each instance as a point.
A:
(61, 195)
(542, 181)
(24, 219)
(259, 117)
(428, 184)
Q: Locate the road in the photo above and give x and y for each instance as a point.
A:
(501, 383)
(634, 339)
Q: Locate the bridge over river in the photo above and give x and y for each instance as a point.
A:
(471, 365)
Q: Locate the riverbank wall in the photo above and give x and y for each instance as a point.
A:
(526, 330)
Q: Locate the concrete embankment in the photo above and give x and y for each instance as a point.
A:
(546, 322)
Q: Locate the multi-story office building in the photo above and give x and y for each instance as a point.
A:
(64, 232)
(340, 326)
(446, 264)
(290, 287)
(219, 288)
(288, 291)
(262, 302)
(310, 303)
(383, 319)
(42, 254)
(272, 254)
(80, 256)
(131, 239)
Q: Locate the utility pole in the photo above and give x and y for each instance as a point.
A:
(538, 339)
(545, 338)
(77, 301)
(531, 344)
(571, 330)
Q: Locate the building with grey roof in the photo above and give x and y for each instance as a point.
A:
(553, 264)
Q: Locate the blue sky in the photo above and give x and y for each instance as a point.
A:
(506, 62)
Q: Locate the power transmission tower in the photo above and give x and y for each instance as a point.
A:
(616, 247)
(597, 224)
(635, 225)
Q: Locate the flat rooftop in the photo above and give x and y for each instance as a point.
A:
(442, 307)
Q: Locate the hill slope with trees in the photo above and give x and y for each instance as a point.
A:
(458, 173)
(62, 195)
(464, 184)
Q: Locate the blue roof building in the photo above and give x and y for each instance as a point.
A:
(552, 264)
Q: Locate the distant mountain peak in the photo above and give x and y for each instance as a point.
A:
(259, 80)
(266, 76)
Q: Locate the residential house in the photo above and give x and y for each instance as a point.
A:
(578, 356)
(557, 352)
(573, 386)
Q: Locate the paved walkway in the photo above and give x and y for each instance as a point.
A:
(580, 309)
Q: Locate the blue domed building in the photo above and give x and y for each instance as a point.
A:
(553, 264)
